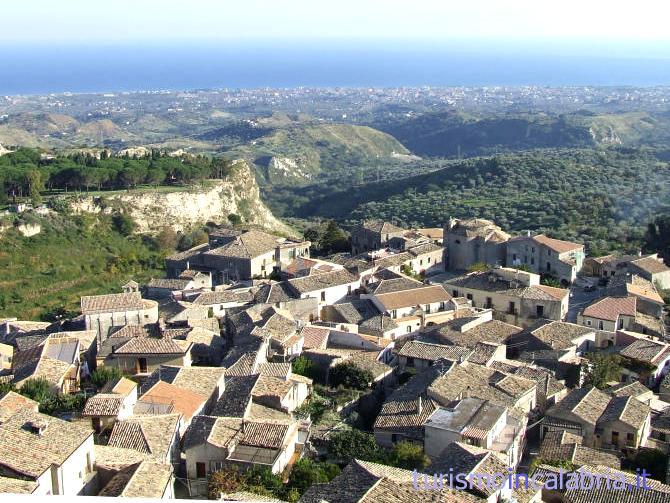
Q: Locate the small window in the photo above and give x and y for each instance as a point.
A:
(323, 296)
(458, 241)
(588, 322)
(454, 293)
(601, 325)
(200, 470)
(409, 330)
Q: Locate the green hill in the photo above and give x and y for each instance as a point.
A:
(453, 134)
(303, 152)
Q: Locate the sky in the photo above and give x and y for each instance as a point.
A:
(150, 21)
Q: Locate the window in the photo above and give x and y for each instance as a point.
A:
(620, 323)
(323, 296)
(601, 325)
(511, 308)
(200, 470)
(532, 260)
(421, 262)
(539, 311)
(532, 250)
(142, 365)
(630, 439)
(410, 361)
(349, 290)
(458, 241)
(454, 293)
(427, 310)
(588, 322)
(409, 330)
(489, 303)
(394, 313)
(615, 438)
(429, 260)
(513, 257)
(469, 296)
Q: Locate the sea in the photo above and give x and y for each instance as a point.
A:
(82, 67)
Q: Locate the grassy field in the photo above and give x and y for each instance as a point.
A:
(71, 257)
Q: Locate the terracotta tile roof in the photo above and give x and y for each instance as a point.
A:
(142, 480)
(115, 302)
(266, 435)
(224, 297)
(393, 285)
(610, 308)
(247, 245)
(483, 353)
(31, 454)
(455, 332)
(236, 397)
(587, 404)
(315, 337)
(174, 284)
(12, 402)
(117, 458)
(635, 389)
(17, 486)
(626, 409)
(267, 385)
(646, 350)
(282, 370)
(122, 386)
(557, 334)
(432, 352)
(322, 281)
(153, 434)
(556, 244)
(103, 404)
(632, 492)
(414, 297)
(182, 400)
(153, 346)
(651, 265)
(432, 232)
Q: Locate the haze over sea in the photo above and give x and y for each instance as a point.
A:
(61, 67)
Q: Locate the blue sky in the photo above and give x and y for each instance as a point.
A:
(625, 22)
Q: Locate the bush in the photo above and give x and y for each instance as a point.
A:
(306, 473)
(123, 224)
(226, 480)
(346, 445)
(303, 366)
(350, 375)
(37, 389)
(103, 375)
(409, 456)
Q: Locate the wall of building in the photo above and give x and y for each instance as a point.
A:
(102, 322)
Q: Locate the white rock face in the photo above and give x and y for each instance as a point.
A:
(183, 210)
(285, 167)
(29, 230)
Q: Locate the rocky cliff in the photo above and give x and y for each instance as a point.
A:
(184, 209)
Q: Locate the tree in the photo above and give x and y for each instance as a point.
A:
(409, 456)
(35, 181)
(551, 281)
(306, 473)
(303, 366)
(166, 239)
(103, 375)
(334, 239)
(346, 445)
(38, 389)
(601, 369)
(235, 219)
(350, 375)
(123, 224)
(226, 480)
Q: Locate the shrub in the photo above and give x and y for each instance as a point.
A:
(103, 375)
(350, 375)
(123, 224)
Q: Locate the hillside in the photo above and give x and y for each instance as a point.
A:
(454, 134)
(601, 198)
(304, 152)
(184, 208)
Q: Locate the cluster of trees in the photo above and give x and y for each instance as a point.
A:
(51, 402)
(24, 173)
(348, 444)
(602, 198)
(263, 482)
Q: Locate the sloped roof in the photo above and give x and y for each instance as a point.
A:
(610, 308)
(31, 454)
(414, 297)
(11, 402)
(247, 245)
(103, 404)
(112, 303)
(651, 265)
(588, 404)
(153, 346)
(152, 434)
(432, 352)
(557, 245)
(145, 479)
(646, 350)
(322, 281)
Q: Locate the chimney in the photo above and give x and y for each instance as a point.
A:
(38, 427)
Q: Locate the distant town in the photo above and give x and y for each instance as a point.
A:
(259, 371)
